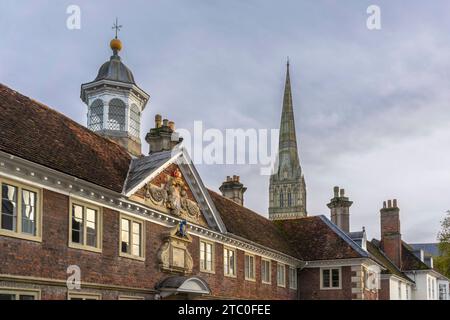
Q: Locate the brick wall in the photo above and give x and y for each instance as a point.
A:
(309, 286)
(51, 258)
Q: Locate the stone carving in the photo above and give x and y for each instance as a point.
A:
(173, 256)
(173, 196)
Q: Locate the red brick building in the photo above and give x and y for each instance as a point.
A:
(85, 215)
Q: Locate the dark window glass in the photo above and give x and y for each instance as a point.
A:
(9, 207)
(26, 297)
(77, 224)
(5, 296)
(326, 278)
(335, 278)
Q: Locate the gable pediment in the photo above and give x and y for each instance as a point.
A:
(168, 182)
(169, 192)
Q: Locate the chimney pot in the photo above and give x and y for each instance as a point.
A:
(340, 210)
(395, 203)
(389, 203)
(233, 189)
(158, 119)
(172, 125)
(336, 192)
(384, 204)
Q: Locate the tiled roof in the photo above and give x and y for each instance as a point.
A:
(391, 268)
(410, 261)
(33, 131)
(247, 224)
(311, 238)
(316, 238)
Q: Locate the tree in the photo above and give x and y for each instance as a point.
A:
(442, 263)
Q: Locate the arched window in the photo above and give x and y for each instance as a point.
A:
(135, 121)
(281, 199)
(289, 199)
(116, 115)
(96, 116)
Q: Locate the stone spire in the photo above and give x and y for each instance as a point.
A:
(288, 153)
(287, 184)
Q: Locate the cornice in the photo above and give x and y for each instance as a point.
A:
(28, 172)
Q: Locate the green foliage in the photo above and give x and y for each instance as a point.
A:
(442, 263)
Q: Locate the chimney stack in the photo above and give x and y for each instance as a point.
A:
(340, 209)
(391, 239)
(233, 189)
(163, 136)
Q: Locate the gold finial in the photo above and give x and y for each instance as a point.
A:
(116, 44)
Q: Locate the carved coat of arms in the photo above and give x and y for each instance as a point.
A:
(173, 196)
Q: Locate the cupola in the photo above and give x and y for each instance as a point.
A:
(115, 102)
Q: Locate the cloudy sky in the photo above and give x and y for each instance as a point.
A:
(371, 107)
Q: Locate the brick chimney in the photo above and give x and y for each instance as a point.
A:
(233, 189)
(391, 239)
(163, 136)
(340, 209)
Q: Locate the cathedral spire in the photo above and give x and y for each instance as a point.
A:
(288, 153)
(287, 184)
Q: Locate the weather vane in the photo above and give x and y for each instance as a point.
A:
(117, 26)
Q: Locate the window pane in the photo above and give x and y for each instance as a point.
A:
(335, 278)
(209, 257)
(326, 278)
(125, 247)
(136, 239)
(77, 224)
(5, 296)
(135, 119)
(91, 227)
(116, 116)
(231, 263)
(9, 207)
(26, 297)
(265, 271)
(29, 199)
(96, 119)
(225, 261)
(202, 255)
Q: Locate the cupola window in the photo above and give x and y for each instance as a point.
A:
(135, 117)
(96, 116)
(117, 115)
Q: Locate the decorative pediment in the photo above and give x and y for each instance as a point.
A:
(169, 192)
(173, 255)
(168, 182)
